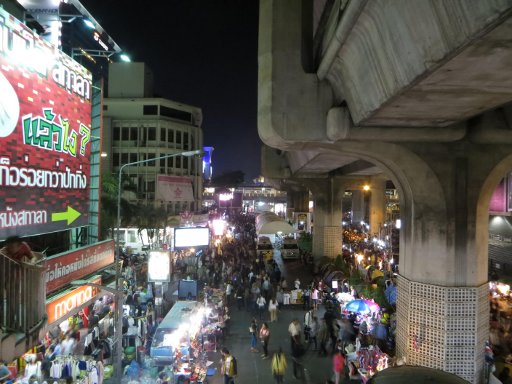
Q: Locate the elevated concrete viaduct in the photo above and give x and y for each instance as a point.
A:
(420, 92)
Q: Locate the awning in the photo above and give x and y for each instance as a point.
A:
(270, 223)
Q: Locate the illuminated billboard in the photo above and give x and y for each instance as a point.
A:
(45, 134)
(187, 237)
(159, 267)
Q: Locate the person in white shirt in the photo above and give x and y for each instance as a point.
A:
(67, 345)
(261, 302)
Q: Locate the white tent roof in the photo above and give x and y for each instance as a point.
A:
(270, 223)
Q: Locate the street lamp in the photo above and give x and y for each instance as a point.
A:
(117, 361)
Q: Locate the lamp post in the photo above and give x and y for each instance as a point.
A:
(117, 361)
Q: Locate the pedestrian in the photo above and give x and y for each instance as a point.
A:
(323, 337)
(253, 329)
(229, 292)
(264, 337)
(228, 367)
(240, 297)
(279, 365)
(260, 303)
(272, 308)
(313, 330)
(314, 298)
(338, 365)
(294, 332)
(306, 299)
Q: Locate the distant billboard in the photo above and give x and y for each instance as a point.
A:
(187, 237)
(45, 134)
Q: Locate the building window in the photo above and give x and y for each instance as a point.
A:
(116, 134)
(170, 136)
(105, 107)
(151, 133)
(115, 160)
(162, 163)
(150, 186)
(125, 134)
(178, 137)
(150, 110)
(124, 158)
(162, 134)
(134, 134)
(175, 114)
(178, 162)
(133, 157)
(170, 162)
(185, 141)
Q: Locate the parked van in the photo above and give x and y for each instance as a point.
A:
(264, 248)
(161, 349)
(290, 249)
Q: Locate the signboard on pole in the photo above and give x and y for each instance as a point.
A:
(63, 268)
(159, 267)
(45, 134)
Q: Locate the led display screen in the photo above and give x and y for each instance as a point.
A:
(191, 237)
(45, 134)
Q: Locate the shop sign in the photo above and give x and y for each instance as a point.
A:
(61, 306)
(45, 134)
(64, 268)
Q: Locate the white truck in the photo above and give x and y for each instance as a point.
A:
(290, 249)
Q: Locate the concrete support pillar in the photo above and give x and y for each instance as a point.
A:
(296, 201)
(377, 204)
(328, 215)
(358, 206)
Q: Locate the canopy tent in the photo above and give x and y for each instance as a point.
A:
(418, 375)
(270, 223)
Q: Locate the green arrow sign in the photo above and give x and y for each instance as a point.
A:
(70, 215)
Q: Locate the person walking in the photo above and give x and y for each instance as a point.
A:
(264, 337)
(338, 365)
(261, 302)
(253, 329)
(313, 331)
(228, 367)
(272, 308)
(279, 365)
(323, 337)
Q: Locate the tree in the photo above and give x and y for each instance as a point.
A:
(108, 211)
(230, 179)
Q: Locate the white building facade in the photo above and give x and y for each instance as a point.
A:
(138, 127)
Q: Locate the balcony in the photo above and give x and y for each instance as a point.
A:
(22, 306)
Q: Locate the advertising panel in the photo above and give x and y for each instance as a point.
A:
(59, 307)
(174, 188)
(191, 237)
(45, 134)
(159, 267)
(64, 268)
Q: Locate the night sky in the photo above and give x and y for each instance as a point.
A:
(203, 53)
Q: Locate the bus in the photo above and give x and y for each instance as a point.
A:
(161, 347)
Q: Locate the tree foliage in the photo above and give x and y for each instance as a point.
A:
(230, 179)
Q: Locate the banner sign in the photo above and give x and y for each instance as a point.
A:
(59, 307)
(64, 268)
(45, 134)
(173, 188)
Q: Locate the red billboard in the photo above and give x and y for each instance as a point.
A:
(45, 134)
(64, 268)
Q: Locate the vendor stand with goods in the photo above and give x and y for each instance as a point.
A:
(179, 343)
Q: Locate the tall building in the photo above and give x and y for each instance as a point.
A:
(138, 127)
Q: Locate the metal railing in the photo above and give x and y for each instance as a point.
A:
(22, 295)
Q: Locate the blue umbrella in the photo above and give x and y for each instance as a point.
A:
(361, 306)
